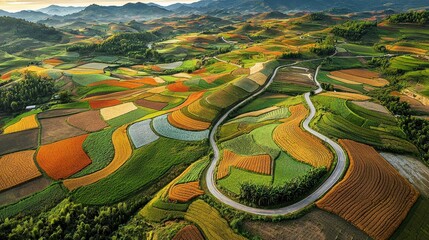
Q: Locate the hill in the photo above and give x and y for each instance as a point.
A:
(60, 10)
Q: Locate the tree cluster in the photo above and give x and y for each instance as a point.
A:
(353, 30)
(421, 17)
(291, 55)
(417, 131)
(19, 28)
(317, 16)
(70, 221)
(32, 90)
(133, 45)
(263, 195)
(327, 86)
(324, 47)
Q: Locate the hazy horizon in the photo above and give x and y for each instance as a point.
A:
(15, 6)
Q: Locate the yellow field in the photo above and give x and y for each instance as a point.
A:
(123, 152)
(116, 111)
(17, 168)
(210, 222)
(412, 50)
(25, 123)
(258, 78)
(346, 96)
(359, 76)
(257, 113)
(300, 144)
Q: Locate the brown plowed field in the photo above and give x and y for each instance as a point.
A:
(260, 163)
(360, 76)
(23, 190)
(123, 152)
(90, 121)
(185, 192)
(180, 120)
(149, 104)
(189, 232)
(19, 141)
(97, 104)
(64, 158)
(17, 168)
(300, 144)
(373, 196)
(56, 129)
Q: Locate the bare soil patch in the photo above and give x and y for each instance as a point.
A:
(90, 121)
(26, 189)
(19, 141)
(316, 224)
(56, 129)
(149, 104)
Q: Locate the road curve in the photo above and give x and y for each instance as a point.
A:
(336, 174)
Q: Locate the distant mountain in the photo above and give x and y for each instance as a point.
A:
(130, 11)
(60, 10)
(299, 5)
(31, 16)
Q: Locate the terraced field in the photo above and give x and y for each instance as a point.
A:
(17, 168)
(164, 128)
(185, 192)
(259, 164)
(369, 181)
(189, 232)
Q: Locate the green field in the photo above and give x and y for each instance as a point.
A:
(99, 148)
(416, 225)
(361, 50)
(146, 166)
(237, 176)
(287, 168)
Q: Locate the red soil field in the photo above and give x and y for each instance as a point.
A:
(116, 83)
(260, 164)
(90, 121)
(178, 87)
(189, 232)
(64, 158)
(97, 104)
(185, 192)
(149, 104)
(156, 68)
(373, 196)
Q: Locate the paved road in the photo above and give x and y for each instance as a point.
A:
(340, 167)
(220, 60)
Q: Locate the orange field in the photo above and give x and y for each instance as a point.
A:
(359, 76)
(213, 77)
(258, 112)
(180, 120)
(299, 144)
(17, 168)
(64, 158)
(262, 50)
(178, 87)
(189, 232)
(116, 83)
(53, 61)
(147, 80)
(373, 195)
(123, 152)
(156, 68)
(185, 192)
(191, 98)
(412, 50)
(97, 104)
(6, 76)
(347, 96)
(25, 123)
(259, 163)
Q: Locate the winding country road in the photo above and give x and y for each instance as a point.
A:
(336, 174)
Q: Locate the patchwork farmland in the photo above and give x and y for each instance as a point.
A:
(242, 122)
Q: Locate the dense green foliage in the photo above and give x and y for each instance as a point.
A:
(130, 44)
(33, 90)
(12, 28)
(417, 131)
(410, 17)
(69, 220)
(263, 195)
(353, 30)
(324, 47)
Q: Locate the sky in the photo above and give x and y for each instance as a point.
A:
(14, 6)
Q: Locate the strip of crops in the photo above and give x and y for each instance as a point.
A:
(300, 144)
(373, 195)
(189, 232)
(180, 120)
(260, 164)
(64, 158)
(185, 192)
(28, 122)
(142, 134)
(122, 153)
(17, 168)
(164, 128)
(209, 220)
